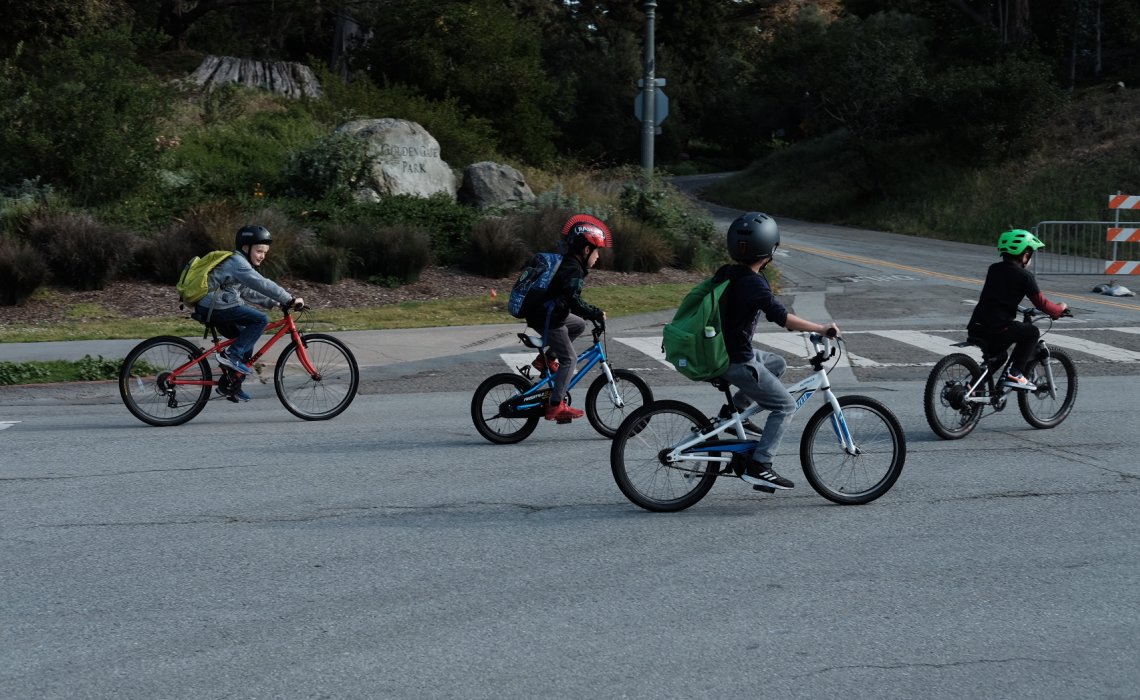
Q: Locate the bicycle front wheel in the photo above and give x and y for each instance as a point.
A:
(637, 457)
(948, 413)
(603, 413)
(145, 381)
(487, 409)
(866, 467)
(325, 393)
(1043, 409)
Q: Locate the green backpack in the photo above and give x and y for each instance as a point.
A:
(194, 282)
(693, 342)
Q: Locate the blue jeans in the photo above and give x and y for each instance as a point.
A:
(249, 320)
(759, 383)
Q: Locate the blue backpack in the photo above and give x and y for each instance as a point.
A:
(529, 290)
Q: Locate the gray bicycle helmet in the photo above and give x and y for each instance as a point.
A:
(252, 235)
(753, 236)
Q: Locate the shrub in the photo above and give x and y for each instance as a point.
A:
(541, 229)
(80, 252)
(386, 254)
(689, 231)
(87, 115)
(22, 271)
(638, 247)
(496, 247)
(447, 222)
(335, 162)
(320, 263)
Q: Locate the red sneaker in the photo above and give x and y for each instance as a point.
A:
(542, 364)
(562, 412)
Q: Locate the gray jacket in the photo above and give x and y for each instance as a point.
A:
(235, 280)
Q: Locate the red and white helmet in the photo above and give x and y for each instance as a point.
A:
(583, 229)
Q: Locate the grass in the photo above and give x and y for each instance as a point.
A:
(94, 324)
(43, 371)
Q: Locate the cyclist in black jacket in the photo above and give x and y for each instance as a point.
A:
(994, 320)
(561, 317)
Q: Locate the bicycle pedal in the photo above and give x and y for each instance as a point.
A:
(563, 421)
(765, 489)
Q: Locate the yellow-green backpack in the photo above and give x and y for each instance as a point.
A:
(194, 282)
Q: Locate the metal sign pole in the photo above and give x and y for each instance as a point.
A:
(649, 105)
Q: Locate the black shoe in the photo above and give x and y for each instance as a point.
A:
(761, 474)
(750, 428)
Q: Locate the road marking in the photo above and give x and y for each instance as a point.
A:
(1111, 353)
(927, 342)
(649, 345)
(7, 423)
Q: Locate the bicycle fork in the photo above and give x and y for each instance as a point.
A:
(839, 425)
(611, 385)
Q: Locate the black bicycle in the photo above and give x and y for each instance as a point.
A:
(958, 389)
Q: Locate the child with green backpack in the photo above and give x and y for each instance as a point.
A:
(752, 241)
(234, 286)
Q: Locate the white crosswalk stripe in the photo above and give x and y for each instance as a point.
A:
(1110, 353)
(932, 344)
(7, 423)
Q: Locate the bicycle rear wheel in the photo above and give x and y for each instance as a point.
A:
(144, 381)
(948, 413)
(637, 457)
(1039, 408)
(601, 411)
(487, 409)
(323, 395)
(879, 445)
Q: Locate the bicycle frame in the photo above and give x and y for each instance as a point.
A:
(707, 442)
(587, 360)
(996, 390)
(285, 326)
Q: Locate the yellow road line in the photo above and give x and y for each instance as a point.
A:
(943, 275)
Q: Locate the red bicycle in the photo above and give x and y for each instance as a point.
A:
(167, 380)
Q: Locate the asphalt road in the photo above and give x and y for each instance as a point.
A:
(393, 553)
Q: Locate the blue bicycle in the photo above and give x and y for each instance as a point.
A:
(506, 407)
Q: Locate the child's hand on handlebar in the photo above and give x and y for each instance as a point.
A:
(831, 330)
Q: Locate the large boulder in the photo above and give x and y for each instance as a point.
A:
(488, 184)
(284, 78)
(404, 159)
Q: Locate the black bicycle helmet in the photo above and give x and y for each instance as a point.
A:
(753, 236)
(252, 235)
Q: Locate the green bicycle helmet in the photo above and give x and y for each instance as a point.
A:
(1017, 240)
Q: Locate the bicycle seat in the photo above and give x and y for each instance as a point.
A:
(531, 341)
(720, 383)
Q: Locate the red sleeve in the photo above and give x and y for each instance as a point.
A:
(1039, 300)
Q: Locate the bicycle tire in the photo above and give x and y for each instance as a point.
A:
(946, 412)
(603, 415)
(141, 381)
(325, 396)
(485, 403)
(635, 457)
(849, 479)
(1032, 403)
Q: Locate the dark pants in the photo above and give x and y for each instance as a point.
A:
(1023, 336)
(250, 322)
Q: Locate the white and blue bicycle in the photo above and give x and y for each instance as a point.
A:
(667, 455)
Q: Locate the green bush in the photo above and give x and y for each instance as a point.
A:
(21, 373)
(246, 158)
(82, 115)
(22, 271)
(497, 250)
(80, 252)
(385, 254)
(333, 163)
(447, 222)
(689, 231)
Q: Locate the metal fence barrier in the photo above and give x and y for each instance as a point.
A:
(1091, 247)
